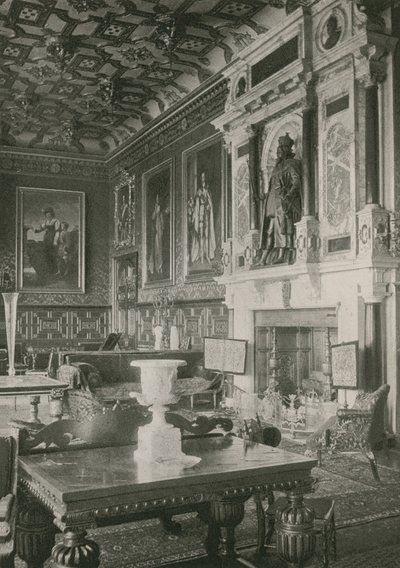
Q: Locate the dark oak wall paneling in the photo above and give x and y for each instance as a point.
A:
(58, 319)
(195, 320)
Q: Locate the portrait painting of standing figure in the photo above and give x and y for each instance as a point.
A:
(157, 197)
(203, 177)
(50, 240)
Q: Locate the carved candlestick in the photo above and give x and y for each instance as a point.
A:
(162, 304)
(327, 364)
(274, 363)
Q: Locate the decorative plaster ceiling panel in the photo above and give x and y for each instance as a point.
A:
(86, 75)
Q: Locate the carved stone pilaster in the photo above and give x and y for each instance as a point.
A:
(252, 241)
(308, 242)
(227, 257)
(373, 232)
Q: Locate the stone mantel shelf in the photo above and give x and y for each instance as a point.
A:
(285, 272)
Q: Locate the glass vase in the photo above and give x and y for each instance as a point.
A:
(10, 308)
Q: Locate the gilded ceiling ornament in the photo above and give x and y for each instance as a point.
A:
(86, 5)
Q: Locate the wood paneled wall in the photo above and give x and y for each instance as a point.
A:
(59, 326)
(198, 319)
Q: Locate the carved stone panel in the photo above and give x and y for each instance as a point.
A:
(242, 204)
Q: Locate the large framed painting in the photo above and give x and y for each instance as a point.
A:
(158, 241)
(124, 210)
(51, 240)
(203, 181)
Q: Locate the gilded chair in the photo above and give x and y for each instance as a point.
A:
(8, 493)
(360, 428)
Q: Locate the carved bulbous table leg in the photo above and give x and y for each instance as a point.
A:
(295, 536)
(35, 533)
(76, 551)
(225, 514)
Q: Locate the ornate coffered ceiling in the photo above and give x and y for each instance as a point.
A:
(86, 75)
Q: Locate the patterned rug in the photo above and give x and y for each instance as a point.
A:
(346, 478)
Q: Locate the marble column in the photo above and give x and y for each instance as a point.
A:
(373, 346)
(308, 162)
(371, 144)
(254, 177)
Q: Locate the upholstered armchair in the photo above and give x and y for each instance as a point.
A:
(360, 428)
(8, 492)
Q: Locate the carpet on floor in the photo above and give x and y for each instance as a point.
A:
(346, 478)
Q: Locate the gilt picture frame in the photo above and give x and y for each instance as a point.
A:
(50, 240)
(124, 211)
(203, 179)
(158, 225)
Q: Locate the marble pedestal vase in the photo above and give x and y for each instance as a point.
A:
(160, 442)
(10, 308)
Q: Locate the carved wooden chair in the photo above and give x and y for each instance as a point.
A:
(360, 428)
(8, 493)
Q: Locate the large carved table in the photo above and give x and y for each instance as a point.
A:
(33, 385)
(79, 489)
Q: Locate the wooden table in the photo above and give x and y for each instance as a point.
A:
(32, 385)
(86, 487)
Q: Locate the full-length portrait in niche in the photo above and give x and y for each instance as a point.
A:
(158, 223)
(282, 207)
(203, 197)
(50, 240)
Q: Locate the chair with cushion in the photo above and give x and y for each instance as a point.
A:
(8, 492)
(360, 428)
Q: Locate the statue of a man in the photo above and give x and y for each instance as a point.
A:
(282, 207)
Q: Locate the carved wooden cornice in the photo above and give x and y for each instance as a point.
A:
(196, 112)
(50, 165)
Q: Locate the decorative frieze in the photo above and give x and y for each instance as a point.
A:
(38, 164)
(202, 109)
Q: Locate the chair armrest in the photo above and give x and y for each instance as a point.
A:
(349, 412)
(6, 504)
